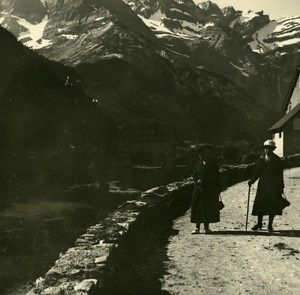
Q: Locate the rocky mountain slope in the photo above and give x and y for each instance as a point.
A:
(232, 38)
(47, 124)
(162, 60)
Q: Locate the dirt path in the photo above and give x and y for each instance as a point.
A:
(232, 261)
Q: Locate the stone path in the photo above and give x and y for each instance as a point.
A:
(233, 261)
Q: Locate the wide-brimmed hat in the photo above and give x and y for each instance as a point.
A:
(270, 143)
(204, 146)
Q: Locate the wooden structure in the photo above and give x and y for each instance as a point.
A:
(286, 132)
(148, 143)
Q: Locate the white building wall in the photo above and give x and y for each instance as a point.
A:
(295, 99)
(278, 138)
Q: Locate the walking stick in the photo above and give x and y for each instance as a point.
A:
(248, 206)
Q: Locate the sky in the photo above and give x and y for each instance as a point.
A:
(274, 8)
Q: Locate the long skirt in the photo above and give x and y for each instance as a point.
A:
(267, 204)
(204, 208)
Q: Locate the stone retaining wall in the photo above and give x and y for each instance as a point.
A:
(291, 161)
(83, 268)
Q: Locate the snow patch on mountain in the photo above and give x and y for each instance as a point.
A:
(111, 56)
(158, 16)
(277, 34)
(202, 5)
(41, 43)
(240, 69)
(245, 17)
(155, 24)
(291, 34)
(69, 36)
(34, 32)
(288, 42)
(99, 19)
(180, 11)
(209, 24)
(177, 53)
(287, 24)
(188, 28)
(258, 44)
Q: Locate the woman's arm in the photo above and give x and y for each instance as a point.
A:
(196, 174)
(281, 179)
(256, 173)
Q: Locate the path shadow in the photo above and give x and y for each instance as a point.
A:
(289, 233)
(138, 265)
(281, 233)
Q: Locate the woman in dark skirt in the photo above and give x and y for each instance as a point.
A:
(205, 199)
(270, 186)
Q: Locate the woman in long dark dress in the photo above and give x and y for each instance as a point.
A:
(270, 186)
(205, 199)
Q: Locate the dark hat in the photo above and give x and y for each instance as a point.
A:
(204, 146)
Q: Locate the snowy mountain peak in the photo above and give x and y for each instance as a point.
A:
(282, 35)
(137, 43)
(172, 18)
(32, 20)
(228, 10)
(210, 7)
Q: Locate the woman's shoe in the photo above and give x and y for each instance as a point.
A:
(270, 228)
(208, 231)
(256, 227)
(196, 231)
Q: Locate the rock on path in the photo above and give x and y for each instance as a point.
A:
(232, 261)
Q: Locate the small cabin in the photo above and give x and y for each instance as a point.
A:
(148, 143)
(286, 132)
